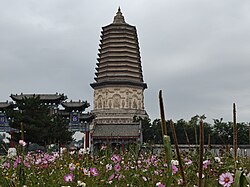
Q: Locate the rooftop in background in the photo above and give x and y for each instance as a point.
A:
(75, 105)
(6, 105)
(46, 98)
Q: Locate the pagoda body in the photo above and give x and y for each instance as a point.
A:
(119, 86)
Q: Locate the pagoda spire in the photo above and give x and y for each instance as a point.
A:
(119, 18)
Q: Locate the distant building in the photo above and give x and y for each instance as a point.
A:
(74, 111)
(4, 121)
(119, 86)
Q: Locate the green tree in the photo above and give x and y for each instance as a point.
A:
(59, 130)
(181, 133)
(242, 133)
(222, 132)
(151, 131)
(39, 127)
(187, 132)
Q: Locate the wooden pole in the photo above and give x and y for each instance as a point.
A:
(166, 142)
(234, 133)
(86, 136)
(177, 152)
(163, 121)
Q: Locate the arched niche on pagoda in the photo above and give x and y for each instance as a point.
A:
(116, 101)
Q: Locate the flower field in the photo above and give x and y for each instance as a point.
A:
(132, 167)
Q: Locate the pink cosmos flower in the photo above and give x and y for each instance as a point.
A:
(188, 161)
(17, 161)
(116, 158)
(174, 169)
(93, 171)
(6, 165)
(26, 164)
(226, 179)
(117, 167)
(111, 177)
(69, 177)
(38, 161)
(206, 163)
(86, 172)
(71, 167)
(22, 143)
(153, 158)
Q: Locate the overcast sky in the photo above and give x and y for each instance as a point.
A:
(196, 51)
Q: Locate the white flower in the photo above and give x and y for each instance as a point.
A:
(72, 152)
(12, 152)
(175, 162)
(144, 178)
(82, 151)
(202, 176)
(80, 183)
(56, 155)
(217, 159)
(180, 181)
(158, 183)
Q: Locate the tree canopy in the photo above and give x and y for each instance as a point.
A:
(39, 126)
(187, 132)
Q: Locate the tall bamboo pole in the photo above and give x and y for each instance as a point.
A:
(177, 152)
(163, 121)
(166, 142)
(234, 134)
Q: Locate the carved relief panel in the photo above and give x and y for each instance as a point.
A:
(118, 98)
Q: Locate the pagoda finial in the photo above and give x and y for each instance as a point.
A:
(119, 17)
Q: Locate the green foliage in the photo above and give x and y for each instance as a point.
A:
(240, 180)
(59, 130)
(187, 132)
(39, 126)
